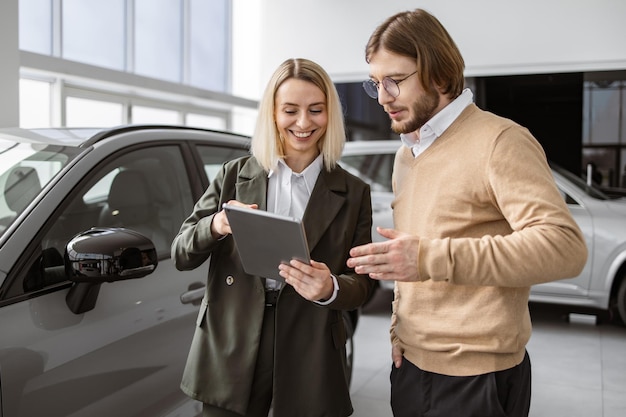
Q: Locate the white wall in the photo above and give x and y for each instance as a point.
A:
(496, 37)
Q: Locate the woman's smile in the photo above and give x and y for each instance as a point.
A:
(302, 135)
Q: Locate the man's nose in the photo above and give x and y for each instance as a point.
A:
(383, 96)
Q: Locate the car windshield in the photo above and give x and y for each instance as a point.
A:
(25, 169)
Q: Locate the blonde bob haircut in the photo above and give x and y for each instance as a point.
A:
(267, 146)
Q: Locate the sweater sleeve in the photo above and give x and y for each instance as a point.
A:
(544, 242)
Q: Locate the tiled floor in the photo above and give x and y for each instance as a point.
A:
(579, 368)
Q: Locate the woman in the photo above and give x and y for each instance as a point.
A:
(259, 343)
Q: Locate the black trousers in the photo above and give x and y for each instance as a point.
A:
(416, 393)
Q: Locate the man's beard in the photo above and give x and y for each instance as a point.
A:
(423, 111)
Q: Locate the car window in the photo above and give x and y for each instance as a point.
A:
(374, 169)
(580, 183)
(568, 198)
(214, 157)
(146, 190)
(24, 170)
(100, 190)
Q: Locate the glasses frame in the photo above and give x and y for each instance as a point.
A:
(391, 86)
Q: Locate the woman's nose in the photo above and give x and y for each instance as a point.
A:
(304, 120)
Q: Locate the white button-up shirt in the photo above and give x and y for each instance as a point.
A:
(288, 194)
(438, 124)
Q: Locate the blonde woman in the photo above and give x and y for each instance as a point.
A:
(260, 343)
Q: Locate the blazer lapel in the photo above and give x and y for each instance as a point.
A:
(251, 184)
(326, 200)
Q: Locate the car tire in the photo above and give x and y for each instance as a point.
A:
(621, 299)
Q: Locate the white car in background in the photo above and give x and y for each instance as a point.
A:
(602, 283)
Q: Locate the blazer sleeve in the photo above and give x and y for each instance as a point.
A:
(356, 289)
(194, 243)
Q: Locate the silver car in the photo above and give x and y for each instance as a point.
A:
(94, 319)
(602, 283)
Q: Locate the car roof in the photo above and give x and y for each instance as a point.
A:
(84, 137)
(63, 137)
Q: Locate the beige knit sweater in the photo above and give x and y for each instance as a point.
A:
(491, 223)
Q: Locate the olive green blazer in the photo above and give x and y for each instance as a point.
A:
(309, 370)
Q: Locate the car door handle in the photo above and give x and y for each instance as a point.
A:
(194, 294)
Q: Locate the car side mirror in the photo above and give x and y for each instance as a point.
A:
(105, 254)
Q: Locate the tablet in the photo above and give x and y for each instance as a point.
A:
(264, 240)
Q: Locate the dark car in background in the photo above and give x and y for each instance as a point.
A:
(602, 219)
(94, 318)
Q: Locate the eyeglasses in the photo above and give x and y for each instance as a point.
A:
(391, 86)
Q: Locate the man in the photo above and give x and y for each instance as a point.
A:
(477, 220)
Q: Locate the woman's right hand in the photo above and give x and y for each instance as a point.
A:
(220, 226)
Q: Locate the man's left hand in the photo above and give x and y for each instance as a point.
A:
(392, 260)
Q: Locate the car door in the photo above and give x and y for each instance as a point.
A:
(126, 356)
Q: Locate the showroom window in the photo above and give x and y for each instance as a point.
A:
(80, 108)
(158, 39)
(146, 115)
(182, 41)
(602, 117)
(81, 112)
(604, 127)
(93, 32)
(35, 26)
(204, 121)
(35, 103)
(95, 63)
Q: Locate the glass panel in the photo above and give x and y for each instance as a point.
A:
(24, 170)
(35, 104)
(213, 158)
(81, 112)
(93, 32)
(146, 190)
(243, 120)
(605, 104)
(35, 26)
(146, 115)
(209, 45)
(205, 121)
(158, 39)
